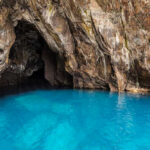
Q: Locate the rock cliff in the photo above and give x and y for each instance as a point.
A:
(97, 44)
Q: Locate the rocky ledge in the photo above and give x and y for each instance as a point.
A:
(96, 44)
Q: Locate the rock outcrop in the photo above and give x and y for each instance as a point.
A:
(99, 44)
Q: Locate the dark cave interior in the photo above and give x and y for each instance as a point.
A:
(31, 61)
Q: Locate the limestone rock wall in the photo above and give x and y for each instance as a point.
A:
(105, 44)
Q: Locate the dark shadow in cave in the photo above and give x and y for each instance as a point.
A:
(32, 63)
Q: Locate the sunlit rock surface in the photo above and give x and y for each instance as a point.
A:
(105, 44)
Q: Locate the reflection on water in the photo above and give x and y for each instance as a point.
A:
(121, 101)
(74, 120)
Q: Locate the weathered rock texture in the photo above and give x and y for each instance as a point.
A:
(102, 44)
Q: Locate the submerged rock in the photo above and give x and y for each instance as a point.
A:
(97, 44)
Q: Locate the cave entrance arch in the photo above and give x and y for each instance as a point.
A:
(33, 62)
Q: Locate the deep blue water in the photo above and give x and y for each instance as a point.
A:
(74, 120)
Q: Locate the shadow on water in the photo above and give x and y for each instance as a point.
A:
(12, 90)
(44, 85)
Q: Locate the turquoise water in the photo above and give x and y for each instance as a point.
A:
(74, 120)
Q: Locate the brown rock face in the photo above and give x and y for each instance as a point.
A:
(99, 44)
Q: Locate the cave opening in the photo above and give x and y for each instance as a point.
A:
(32, 62)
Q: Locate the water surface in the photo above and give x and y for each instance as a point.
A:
(74, 120)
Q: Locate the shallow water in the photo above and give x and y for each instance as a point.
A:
(74, 120)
